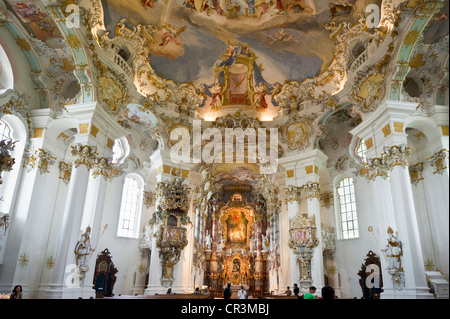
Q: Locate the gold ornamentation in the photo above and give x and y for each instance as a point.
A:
(41, 159)
(292, 193)
(411, 37)
(73, 41)
(302, 240)
(23, 260)
(332, 270)
(171, 241)
(312, 190)
(369, 143)
(23, 44)
(327, 199)
(397, 155)
(149, 199)
(398, 127)
(50, 262)
(6, 161)
(429, 265)
(84, 155)
(142, 268)
(296, 131)
(391, 157)
(65, 171)
(376, 167)
(387, 130)
(415, 173)
(439, 161)
(290, 173)
(101, 166)
(173, 196)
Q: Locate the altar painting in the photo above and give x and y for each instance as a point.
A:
(237, 227)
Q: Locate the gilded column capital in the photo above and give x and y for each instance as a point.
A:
(312, 190)
(84, 155)
(292, 193)
(65, 172)
(415, 173)
(101, 166)
(439, 161)
(397, 155)
(376, 167)
(327, 199)
(40, 159)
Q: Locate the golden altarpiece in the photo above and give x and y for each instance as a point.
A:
(236, 247)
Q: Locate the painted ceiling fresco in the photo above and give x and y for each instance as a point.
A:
(36, 20)
(286, 37)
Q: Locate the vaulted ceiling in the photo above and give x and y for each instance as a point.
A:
(152, 64)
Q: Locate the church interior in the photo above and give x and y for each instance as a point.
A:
(306, 143)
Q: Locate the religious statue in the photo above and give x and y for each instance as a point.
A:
(253, 244)
(393, 252)
(265, 242)
(83, 250)
(146, 236)
(208, 241)
(221, 245)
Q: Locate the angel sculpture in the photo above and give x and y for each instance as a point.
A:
(171, 34)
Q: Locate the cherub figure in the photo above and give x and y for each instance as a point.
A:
(171, 35)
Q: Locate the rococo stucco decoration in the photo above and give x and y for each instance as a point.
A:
(171, 220)
(303, 239)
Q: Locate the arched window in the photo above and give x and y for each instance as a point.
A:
(347, 208)
(130, 207)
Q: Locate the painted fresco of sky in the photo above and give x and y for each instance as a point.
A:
(290, 44)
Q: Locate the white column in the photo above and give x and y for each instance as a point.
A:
(436, 190)
(317, 272)
(408, 231)
(292, 266)
(70, 234)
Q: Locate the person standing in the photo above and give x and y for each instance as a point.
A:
(296, 290)
(242, 293)
(227, 292)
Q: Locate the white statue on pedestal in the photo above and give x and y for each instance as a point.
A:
(208, 242)
(393, 252)
(265, 243)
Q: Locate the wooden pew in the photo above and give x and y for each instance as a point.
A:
(277, 297)
(160, 296)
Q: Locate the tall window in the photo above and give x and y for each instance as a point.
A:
(5, 132)
(130, 208)
(347, 208)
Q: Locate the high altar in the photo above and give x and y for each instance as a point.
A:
(238, 254)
